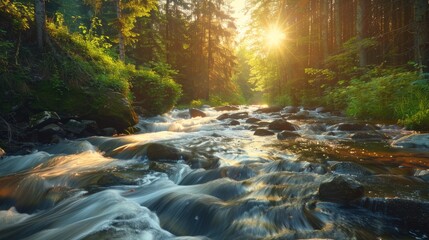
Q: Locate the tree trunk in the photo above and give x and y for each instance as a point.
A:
(167, 30)
(360, 30)
(324, 28)
(40, 19)
(209, 50)
(121, 38)
(337, 18)
(420, 29)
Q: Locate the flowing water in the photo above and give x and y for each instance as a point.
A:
(202, 178)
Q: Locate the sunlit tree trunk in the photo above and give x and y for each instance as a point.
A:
(324, 28)
(360, 30)
(337, 18)
(40, 19)
(121, 38)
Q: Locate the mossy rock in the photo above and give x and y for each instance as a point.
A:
(108, 108)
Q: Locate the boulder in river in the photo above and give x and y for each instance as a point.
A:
(321, 110)
(263, 132)
(413, 141)
(44, 118)
(287, 135)
(158, 151)
(240, 115)
(412, 213)
(2, 152)
(223, 117)
(196, 113)
(350, 168)
(269, 109)
(282, 125)
(291, 109)
(300, 115)
(226, 108)
(340, 190)
(253, 120)
(234, 123)
(368, 135)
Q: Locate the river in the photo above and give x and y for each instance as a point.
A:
(203, 178)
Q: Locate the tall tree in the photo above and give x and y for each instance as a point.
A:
(360, 30)
(40, 17)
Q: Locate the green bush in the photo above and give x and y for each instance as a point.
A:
(155, 94)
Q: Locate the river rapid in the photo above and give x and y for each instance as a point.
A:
(204, 178)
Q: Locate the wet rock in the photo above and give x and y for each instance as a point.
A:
(234, 123)
(74, 126)
(240, 115)
(263, 132)
(116, 112)
(300, 115)
(108, 132)
(226, 108)
(205, 161)
(113, 179)
(282, 125)
(413, 141)
(253, 127)
(350, 169)
(350, 127)
(269, 109)
(423, 174)
(413, 214)
(2, 152)
(90, 126)
(340, 190)
(196, 113)
(291, 109)
(157, 151)
(232, 172)
(287, 135)
(263, 124)
(317, 127)
(47, 133)
(43, 118)
(223, 117)
(321, 110)
(253, 120)
(184, 115)
(368, 136)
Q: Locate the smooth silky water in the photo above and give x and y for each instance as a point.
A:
(228, 184)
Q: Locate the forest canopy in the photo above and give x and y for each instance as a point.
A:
(367, 58)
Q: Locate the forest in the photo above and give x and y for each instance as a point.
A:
(214, 119)
(364, 58)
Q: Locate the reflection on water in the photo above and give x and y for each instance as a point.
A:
(205, 179)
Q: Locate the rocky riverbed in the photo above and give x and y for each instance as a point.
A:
(237, 172)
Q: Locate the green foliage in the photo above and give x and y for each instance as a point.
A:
(418, 121)
(154, 93)
(88, 61)
(196, 103)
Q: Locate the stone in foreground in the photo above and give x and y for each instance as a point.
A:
(340, 190)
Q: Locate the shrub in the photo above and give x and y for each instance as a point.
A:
(155, 94)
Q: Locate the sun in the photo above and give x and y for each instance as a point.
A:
(274, 36)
